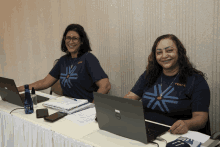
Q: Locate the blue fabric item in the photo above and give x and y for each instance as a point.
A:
(78, 81)
(178, 101)
(28, 103)
(184, 142)
(178, 143)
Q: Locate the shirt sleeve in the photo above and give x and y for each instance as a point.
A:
(94, 68)
(200, 95)
(139, 86)
(55, 71)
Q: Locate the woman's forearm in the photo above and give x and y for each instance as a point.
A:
(196, 123)
(104, 90)
(39, 85)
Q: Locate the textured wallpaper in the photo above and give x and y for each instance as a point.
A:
(121, 33)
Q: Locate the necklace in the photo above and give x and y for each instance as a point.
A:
(68, 75)
(161, 95)
(72, 62)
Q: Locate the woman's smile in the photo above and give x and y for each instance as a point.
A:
(166, 61)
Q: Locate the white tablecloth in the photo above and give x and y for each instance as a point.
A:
(25, 130)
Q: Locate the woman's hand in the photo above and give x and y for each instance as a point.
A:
(179, 127)
(132, 96)
(198, 121)
(20, 88)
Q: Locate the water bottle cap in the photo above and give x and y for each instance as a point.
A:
(33, 90)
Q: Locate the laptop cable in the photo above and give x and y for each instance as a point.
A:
(154, 143)
(161, 139)
(16, 109)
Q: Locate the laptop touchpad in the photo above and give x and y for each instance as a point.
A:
(39, 98)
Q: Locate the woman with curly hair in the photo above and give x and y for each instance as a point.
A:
(79, 71)
(172, 91)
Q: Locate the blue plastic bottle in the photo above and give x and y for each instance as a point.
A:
(28, 104)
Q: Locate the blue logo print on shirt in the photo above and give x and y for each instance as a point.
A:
(68, 76)
(166, 95)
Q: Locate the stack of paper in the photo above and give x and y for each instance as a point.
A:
(83, 117)
(68, 105)
(196, 136)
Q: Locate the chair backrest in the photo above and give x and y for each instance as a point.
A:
(56, 88)
(215, 136)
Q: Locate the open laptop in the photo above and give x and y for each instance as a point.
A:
(9, 93)
(125, 117)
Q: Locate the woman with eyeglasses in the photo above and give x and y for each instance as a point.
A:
(79, 71)
(172, 90)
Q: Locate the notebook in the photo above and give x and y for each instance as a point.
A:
(9, 93)
(125, 117)
(68, 105)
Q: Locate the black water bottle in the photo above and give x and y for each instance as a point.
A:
(28, 104)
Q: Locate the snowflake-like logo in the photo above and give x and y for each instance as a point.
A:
(68, 76)
(153, 98)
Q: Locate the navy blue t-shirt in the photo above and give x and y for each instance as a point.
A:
(78, 75)
(178, 100)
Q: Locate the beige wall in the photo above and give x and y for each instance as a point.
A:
(121, 32)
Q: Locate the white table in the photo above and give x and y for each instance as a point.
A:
(25, 130)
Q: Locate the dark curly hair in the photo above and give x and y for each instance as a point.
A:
(154, 70)
(84, 47)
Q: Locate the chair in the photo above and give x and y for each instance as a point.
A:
(56, 88)
(215, 136)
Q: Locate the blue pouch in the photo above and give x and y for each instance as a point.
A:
(177, 143)
(184, 142)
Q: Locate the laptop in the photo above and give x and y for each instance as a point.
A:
(9, 93)
(125, 117)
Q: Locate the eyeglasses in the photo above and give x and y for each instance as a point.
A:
(168, 49)
(68, 39)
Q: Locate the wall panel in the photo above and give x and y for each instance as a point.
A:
(121, 33)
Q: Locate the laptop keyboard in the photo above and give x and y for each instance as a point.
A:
(39, 98)
(154, 130)
(151, 132)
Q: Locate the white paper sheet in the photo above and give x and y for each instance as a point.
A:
(197, 136)
(83, 117)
